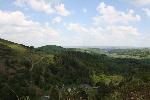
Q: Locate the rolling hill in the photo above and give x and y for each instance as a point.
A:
(57, 73)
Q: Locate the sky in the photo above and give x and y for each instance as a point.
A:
(76, 22)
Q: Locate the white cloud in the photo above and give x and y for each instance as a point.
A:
(76, 27)
(110, 15)
(57, 20)
(139, 2)
(84, 10)
(17, 27)
(62, 10)
(112, 27)
(147, 11)
(110, 35)
(43, 6)
(37, 5)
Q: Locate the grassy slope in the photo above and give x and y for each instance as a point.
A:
(14, 46)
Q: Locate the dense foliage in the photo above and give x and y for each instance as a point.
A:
(55, 73)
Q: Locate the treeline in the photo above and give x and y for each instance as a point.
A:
(141, 52)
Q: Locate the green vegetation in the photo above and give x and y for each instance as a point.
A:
(54, 73)
(137, 53)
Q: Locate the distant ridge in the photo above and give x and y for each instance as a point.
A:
(106, 47)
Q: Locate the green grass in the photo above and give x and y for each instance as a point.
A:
(16, 47)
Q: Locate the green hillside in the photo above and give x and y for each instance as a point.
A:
(54, 73)
(14, 46)
(137, 53)
(50, 49)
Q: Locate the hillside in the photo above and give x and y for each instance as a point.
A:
(50, 49)
(137, 53)
(54, 73)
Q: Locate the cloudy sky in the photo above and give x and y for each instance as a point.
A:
(76, 22)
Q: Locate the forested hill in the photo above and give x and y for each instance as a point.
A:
(50, 49)
(54, 73)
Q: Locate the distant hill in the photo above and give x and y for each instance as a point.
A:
(50, 49)
(106, 47)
